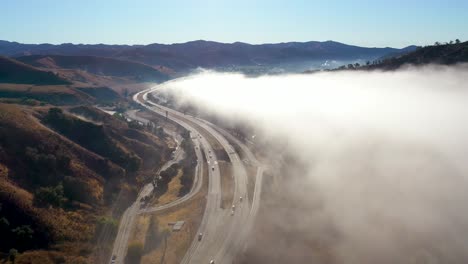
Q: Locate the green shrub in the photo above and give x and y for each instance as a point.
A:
(46, 196)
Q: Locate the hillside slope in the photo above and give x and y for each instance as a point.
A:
(97, 65)
(64, 175)
(12, 71)
(446, 54)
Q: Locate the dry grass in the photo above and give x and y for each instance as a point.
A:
(173, 245)
(3, 171)
(70, 229)
(36, 89)
(173, 189)
(141, 227)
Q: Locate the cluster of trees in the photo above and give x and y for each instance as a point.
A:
(50, 196)
(20, 236)
(155, 129)
(350, 66)
(166, 176)
(136, 125)
(91, 136)
(188, 166)
(50, 173)
(46, 168)
(451, 42)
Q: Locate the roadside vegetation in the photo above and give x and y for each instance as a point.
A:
(447, 53)
(160, 243)
(66, 175)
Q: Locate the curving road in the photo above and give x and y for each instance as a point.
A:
(224, 235)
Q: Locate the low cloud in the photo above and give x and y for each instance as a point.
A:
(383, 161)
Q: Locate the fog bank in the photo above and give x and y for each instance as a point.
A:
(384, 159)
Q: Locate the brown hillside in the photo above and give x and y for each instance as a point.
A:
(57, 152)
(98, 65)
(13, 71)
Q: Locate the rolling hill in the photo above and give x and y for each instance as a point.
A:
(444, 54)
(441, 54)
(13, 71)
(98, 66)
(208, 54)
(19, 81)
(64, 175)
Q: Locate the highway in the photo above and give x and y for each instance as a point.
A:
(128, 218)
(224, 235)
(126, 225)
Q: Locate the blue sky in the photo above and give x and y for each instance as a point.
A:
(361, 22)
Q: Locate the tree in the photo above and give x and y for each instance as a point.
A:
(437, 43)
(159, 131)
(46, 196)
(451, 42)
(12, 255)
(23, 236)
(55, 111)
(4, 224)
(367, 63)
(350, 66)
(135, 252)
(457, 41)
(135, 125)
(356, 65)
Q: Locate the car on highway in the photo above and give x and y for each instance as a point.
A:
(232, 212)
(114, 257)
(240, 199)
(200, 236)
(233, 207)
(212, 262)
(212, 168)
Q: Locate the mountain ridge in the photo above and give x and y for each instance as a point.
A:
(183, 57)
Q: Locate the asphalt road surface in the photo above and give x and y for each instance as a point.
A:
(224, 234)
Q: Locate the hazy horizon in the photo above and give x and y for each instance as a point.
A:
(374, 24)
(207, 40)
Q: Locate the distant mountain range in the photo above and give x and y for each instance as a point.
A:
(179, 58)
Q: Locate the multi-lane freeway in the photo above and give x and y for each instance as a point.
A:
(224, 232)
